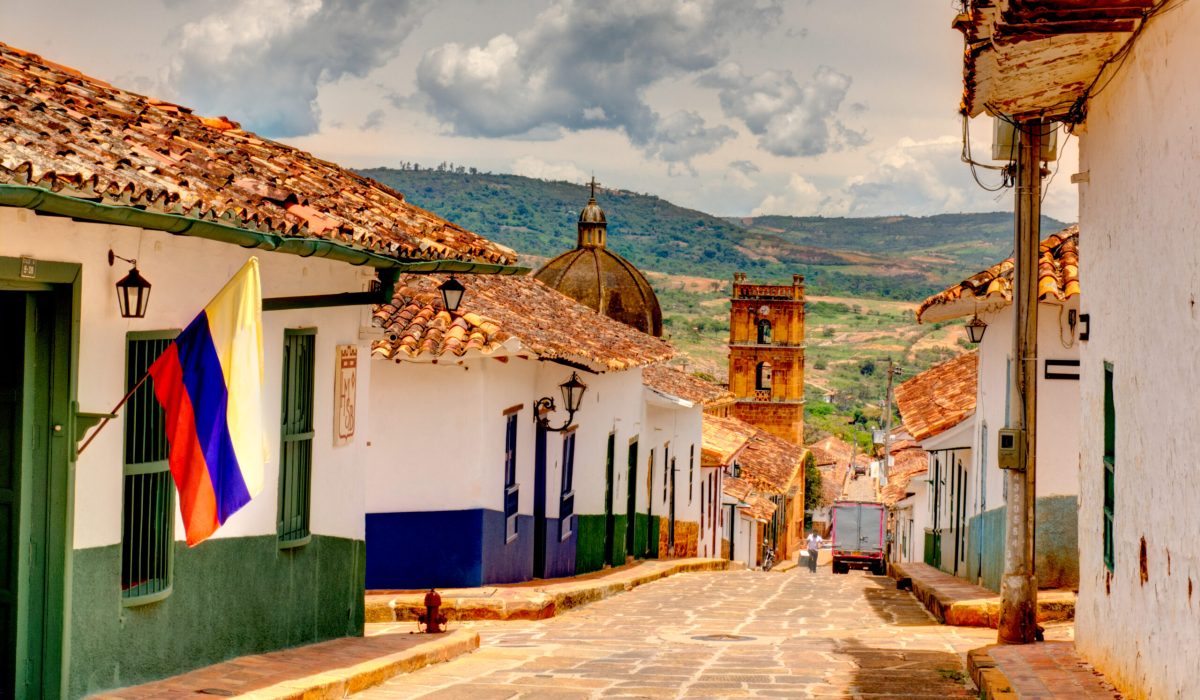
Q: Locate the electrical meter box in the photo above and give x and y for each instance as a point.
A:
(1011, 452)
(1005, 140)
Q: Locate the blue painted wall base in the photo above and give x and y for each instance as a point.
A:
(1057, 545)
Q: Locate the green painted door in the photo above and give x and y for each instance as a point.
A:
(24, 381)
(631, 500)
(610, 522)
(34, 495)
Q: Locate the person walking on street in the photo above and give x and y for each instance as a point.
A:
(814, 548)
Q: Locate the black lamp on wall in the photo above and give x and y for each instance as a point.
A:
(572, 392)
(452, 294)
(133, 291)
(975, 329)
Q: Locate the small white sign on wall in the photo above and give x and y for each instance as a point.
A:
(345, 393)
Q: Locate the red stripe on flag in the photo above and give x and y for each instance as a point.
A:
(189, 469)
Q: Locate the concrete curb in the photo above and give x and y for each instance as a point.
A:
(337, 684)
(525, 603)
(951, 608)
(991, 681)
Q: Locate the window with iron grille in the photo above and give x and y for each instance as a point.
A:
(296, 437)
(511, 490)
(1110, 461)
(566, 505)
(148, 495)
(666, 469)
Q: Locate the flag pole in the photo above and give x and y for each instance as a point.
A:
(113, 413)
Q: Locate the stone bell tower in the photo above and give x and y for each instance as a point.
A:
(766, 355)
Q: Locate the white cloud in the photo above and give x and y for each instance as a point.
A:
(788, 118)
(585, 65)
(262, 62)
(739, 173)
(913, 177)
(799, 198)
(529, 166)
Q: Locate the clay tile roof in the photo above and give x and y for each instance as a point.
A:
(80, 137)
(756, 506)
(770, 463)
(908, 462)
(831, 450)
(504, 315)
(759, 507)
(940, 397)
(1058, 280)
(675, 382)
(723, 439)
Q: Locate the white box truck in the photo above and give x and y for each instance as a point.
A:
(858, 536)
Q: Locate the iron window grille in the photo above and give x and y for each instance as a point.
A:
(691, 471)
(666, 469)
(1110, 461)
(148, 494)
(511, 490)
(296, 437)
(566, 506)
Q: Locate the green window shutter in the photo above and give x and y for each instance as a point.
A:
(1110, 462)
(296, 437)
(148, 494)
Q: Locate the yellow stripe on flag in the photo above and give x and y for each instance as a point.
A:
(235, 324)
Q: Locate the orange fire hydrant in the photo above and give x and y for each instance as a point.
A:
(433, 619)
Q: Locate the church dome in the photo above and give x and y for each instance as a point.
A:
(597, 277)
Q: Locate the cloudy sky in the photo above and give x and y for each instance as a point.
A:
(734, 107)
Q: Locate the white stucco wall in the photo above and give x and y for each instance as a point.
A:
(1058, 404)
(1140, 264)
(185, 273)
(678, 428)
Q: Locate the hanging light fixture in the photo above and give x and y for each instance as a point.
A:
(133, 291)
(975, 329)
(452, 293)
(572, 393)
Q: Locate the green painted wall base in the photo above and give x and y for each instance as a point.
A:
(589, 542)
(645, 533)
(1057, 545)
(230, 597)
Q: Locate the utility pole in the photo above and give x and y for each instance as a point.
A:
(887, 418)
(1018, 587)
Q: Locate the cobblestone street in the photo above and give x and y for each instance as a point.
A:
(723, 634)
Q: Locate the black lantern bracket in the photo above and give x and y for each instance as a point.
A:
(572, 390)
(133, 290)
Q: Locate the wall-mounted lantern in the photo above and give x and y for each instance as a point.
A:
(452, 293)
(975, 329)
(572, 394)
(133, 291)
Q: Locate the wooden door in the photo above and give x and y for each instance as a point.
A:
(631, 501)
(12, 315)
(610, 522)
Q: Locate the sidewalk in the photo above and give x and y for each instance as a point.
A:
(332, 669)
(953, 601)
(531, 602)
(1036, 671)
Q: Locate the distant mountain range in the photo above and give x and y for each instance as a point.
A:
(899, 257)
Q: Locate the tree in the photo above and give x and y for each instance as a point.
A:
(814, 494)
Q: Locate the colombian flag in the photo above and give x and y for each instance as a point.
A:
(209, 382)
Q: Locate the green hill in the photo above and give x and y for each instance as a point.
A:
(887, 257)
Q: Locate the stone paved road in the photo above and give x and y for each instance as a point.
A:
(808, 637)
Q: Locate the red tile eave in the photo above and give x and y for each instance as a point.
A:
(939, 398)
(81, 137)
(1058, 281)
(498, 311)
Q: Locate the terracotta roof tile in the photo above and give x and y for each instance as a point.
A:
(908, 462)
(940, 397)
(770, 463)
(1058, 280)
(503, 315)
(756, 506)
(80, 137)
(723, 439)
(675, 382)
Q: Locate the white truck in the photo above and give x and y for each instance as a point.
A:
(858, 536)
